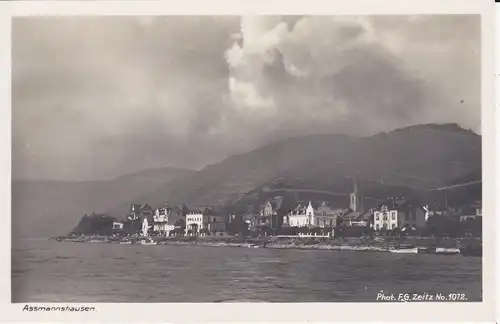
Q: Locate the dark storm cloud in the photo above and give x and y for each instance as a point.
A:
(98, 97)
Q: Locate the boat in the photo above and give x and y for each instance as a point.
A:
(126, 242)
(427, 250)
(408, 250)
(447, 251)
(148, 242)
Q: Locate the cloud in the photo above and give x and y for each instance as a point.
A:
(95, 97)
(364, 74)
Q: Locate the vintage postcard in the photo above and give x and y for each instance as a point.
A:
(238, 161)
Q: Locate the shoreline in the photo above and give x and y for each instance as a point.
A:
(442, 246)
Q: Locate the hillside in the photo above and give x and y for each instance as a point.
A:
(316, 167)
(321, 167)
(226, 182)
(44, 208)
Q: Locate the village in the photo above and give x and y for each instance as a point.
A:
(395, 217)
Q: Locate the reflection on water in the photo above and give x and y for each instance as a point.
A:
(76, 272)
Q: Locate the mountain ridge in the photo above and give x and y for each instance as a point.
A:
(413, 158)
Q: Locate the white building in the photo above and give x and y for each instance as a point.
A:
(165, 218)
(194, 223)
(301, 216)
(117, 225)
(198, 221)
(385, 218)
(400, 213)
(323, 216)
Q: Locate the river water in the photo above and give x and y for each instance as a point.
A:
(48, 271)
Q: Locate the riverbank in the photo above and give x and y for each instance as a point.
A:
(377, 244)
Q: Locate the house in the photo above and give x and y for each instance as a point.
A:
(250, 219)
(301, 215)
(385, 218)
(352, 218)
(326, 215)
(205, 222)
(271, 213)
(399, 213)
(165, 218)
(365, 219)
(140, 212)
(471, 212)
(431, 211)
(321, 216)
(117, 225)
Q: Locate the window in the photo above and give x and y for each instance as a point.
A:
(377, 217)
(393, 215)
(331, 222)
(385, 216)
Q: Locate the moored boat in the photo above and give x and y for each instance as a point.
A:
(427, 250)
(403, 250)
(447, 251)
(126, 242)
(148, 242)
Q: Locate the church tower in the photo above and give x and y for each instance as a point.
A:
(356, 199)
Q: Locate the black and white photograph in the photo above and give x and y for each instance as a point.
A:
(246, 159)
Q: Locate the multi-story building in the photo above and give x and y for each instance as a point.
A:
(301, 216)
(322, 216)
(399, 213)
(205, 222)
(141, 214)
(165, 218)
(385, 218)
(271, 213)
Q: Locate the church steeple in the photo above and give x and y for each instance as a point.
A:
(356, 199)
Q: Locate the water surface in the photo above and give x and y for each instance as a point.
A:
(48, 271)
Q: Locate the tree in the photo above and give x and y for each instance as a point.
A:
(441, 226)
(472, 227)
(214, 226)
(95, 224)
(396, 232)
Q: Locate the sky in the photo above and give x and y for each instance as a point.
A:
(97, 97)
